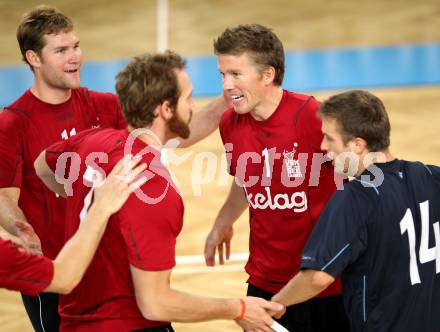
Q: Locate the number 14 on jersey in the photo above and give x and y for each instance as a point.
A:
(426, 254)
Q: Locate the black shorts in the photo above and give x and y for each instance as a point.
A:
(165, 328)
(319, 314)
(43, 311)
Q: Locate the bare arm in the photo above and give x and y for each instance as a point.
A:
(9, 210)
(158, 301)
(75, 256)
(303, 286)
(48, 176)
(10, 213)
(7, 236)
(221, 233)
(205, 121)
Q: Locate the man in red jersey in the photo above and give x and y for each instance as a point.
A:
(31, 274)
(272, 139)
(54, 108)
(127, 285)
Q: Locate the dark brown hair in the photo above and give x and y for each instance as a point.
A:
(359, 114)
(146, 82)
(42, 20)
(259, 42)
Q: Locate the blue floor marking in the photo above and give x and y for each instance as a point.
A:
(312, 70)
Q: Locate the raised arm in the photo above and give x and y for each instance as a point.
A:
(205, 121)
(75, 256)
(47, 176)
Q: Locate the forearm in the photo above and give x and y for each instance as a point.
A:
(158, 301)
(9, 213)
(47, 176)
(74, 258)
(53, 185)
(178, 306)
(205, 121)
(302, 287)
(233, 207)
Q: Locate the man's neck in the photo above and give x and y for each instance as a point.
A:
(50, 95)
(269, 104)
(149, 136)
(382, 156)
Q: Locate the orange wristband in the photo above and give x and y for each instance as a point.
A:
(242, 311)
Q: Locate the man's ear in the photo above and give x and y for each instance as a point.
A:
(165, 110)
(268, 75)
(33, 58)
(359, 145)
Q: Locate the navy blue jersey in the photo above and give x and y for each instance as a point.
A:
(384, 240)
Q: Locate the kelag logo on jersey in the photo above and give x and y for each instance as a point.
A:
(297, 201)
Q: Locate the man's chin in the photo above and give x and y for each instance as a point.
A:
(239, 110)
(181, 132)
(72, 85)
(185, 135)
(345, 174)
